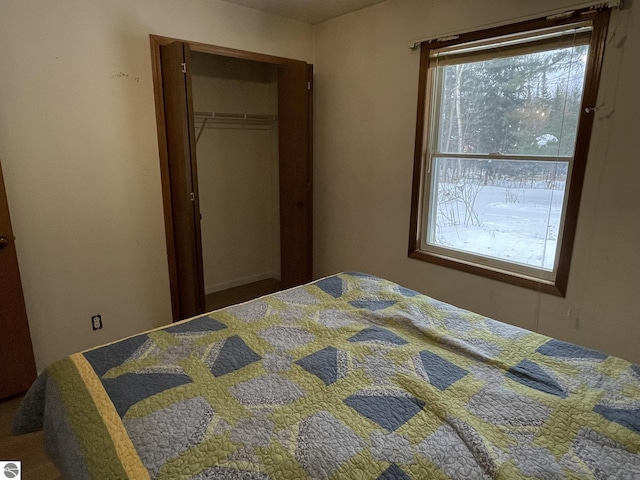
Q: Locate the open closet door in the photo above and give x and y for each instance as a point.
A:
(294, 128)
(17, 366)
(175, 63)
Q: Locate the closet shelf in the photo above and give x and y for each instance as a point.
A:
(237, 116)
(232, 120)
(240, 118)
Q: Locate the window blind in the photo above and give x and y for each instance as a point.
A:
(566, 10)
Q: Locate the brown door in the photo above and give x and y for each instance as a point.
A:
(17, 366)
(294, 128)
(185, 209)
(174, 111)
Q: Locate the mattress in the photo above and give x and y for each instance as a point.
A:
(350, 376)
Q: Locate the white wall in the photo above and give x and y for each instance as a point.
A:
(79, 151)
(366, 90)
(237, 172)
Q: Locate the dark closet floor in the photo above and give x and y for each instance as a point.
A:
(242, 293)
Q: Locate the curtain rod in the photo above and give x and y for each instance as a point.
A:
(415, 44)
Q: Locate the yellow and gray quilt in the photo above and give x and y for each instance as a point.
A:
(350, 376)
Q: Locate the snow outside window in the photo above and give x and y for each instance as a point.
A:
(500, 149)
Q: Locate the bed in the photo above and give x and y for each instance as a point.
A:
(350, 376)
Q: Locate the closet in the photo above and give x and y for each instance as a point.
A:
(234, 136)
(236, 126)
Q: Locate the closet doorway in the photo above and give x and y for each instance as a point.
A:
(234, 135)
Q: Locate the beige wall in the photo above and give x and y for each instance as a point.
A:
(237, 172)
(366, 89)
(79, 151)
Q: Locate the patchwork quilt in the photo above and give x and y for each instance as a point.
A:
(351, 376)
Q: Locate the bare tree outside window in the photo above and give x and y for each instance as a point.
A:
(497, 155)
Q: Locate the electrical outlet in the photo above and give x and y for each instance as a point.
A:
(96, 321)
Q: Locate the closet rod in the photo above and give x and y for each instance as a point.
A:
(232, 120)
(236, 117)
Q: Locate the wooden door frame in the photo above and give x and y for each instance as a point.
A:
(156, 42)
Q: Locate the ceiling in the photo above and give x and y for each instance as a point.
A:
(310, 11)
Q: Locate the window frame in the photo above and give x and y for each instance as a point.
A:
(556, 285)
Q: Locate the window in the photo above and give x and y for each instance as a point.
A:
(504, 120)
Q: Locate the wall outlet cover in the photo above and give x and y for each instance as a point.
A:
(96, 322)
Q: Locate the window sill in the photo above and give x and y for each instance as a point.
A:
(556, 287)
